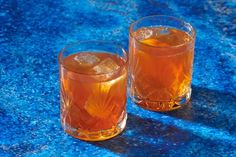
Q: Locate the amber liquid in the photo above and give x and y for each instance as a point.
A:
(161, 67)
(93, 95)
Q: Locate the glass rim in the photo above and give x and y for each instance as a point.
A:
(60, 56)
(166, 16)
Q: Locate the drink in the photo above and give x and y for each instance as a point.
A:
(161, 67)
(93, 95)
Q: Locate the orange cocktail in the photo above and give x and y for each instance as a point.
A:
(93, 94)
(161, 59)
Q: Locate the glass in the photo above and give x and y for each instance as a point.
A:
(161, 51)
(93, 77)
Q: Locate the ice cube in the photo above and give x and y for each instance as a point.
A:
(106, 66)
(86, 59)
(164, 31)
(144, 33)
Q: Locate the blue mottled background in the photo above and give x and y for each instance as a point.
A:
(31, 36)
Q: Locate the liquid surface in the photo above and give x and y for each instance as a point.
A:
(93, 63)
(159, 72)
(162, 36)
(90, 101)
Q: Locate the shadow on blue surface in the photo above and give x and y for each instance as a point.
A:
(145, 136)
(205, 120)
(210, 108)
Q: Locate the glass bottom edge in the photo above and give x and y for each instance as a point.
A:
(97, 135)
(163, 106)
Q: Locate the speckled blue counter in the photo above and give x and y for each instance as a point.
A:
(31, 36)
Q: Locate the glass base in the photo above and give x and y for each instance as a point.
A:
(163, 106)
(97, 135)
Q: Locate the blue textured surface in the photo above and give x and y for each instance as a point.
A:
(31, 36)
